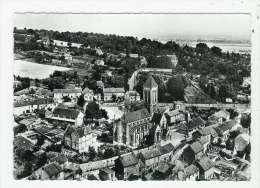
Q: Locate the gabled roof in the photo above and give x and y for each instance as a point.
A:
(194, 123)
(203, 140)
(149, 154)
(87, 90)
(164, 167)
(173, 113)
(190, 170)
(205, 163)
(136, 115)
(52, 169)
(196, 147)
(107, 170)
(81, 131)
(22, 143)
(128, 160)
(66, 112)
(212, 132)
(114, 90)
(204, 131)
(228, 125)
(150, 83)
(67, 90)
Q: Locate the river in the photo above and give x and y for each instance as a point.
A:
(25, 68)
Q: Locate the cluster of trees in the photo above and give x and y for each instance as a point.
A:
(25, 83)
(94, 112)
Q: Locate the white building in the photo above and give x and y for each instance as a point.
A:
(71, 93)
(109, 92)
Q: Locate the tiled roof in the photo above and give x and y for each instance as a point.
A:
(212, 132)
(191, 170)
(33, 102)
(21, 142)
(194, 123)
(136, 115)
(87, 90)
(169, 147)
(173, 113)
(66, 112)
(67, 90)
(114, 90)
(61, 159)
(204, 131)
(196, 147)
(129, 160)
(164, 167)
(52, 169)
(81, 131)
(228, 125)
(149, 154)
(203, 140)
(205, 163)
(149, 83)
(221, 114)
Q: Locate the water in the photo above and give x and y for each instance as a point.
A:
(231, 47)
(25, 68)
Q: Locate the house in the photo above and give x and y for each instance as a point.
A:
(80, 138)
(224, 130)
(246, 82)
(24, 107)
(88, 94)
(207, 132)
(71, 116)
(206, 168)
(68, 57)
(127, 165)
(151, 158)
(174, 59)
(179, 105)
(133, 127)
(52, 171)
(193, 152)
(106, 174)
(190, 173)
(133, 55)
(205, 143)
(71, 93)
(174, 116)
(132, 96)
(187, 128)
(99, 51)
(162, 171)
(159, 119)
(119, 94)
(219, 117)
(241, 142)
(61, 159)
(99, 62)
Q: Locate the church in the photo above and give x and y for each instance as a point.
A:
(133, 127)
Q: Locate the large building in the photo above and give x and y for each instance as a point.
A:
(71, 93)
(119, 94)
(133, 127)
(150, 95)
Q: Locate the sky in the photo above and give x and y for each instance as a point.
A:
(141, 25)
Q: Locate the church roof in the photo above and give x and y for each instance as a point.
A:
(150, 83)
(136, 115)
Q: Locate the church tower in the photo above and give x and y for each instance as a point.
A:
(150, 95)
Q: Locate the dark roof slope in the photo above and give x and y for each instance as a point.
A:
(157, 118)
(196, 147)
(52, 169)
(149, 83)
(66, 112)
(81, 131)
(195, 123)
(129, 160)
(67, 90)
(205, 163)
(33, 102)
(136, 115)
(191, 170)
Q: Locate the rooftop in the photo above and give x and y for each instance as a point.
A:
(67, 90)
(114, 90)
(66, 112)
(150, 83)
(52, 169)
(205, 163)
(136, 115)
(128, 160)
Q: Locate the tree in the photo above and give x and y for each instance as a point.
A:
(92, 153)
(176, 86)
(114, 97)
(81, 101)
(137, 105)
(109, 152)
(42, 160)
(67, 99)
(104, 113)
(56, 83)
(96, 76)
(216, 51)
(246, 121)
(40, 141)
(92, 111)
